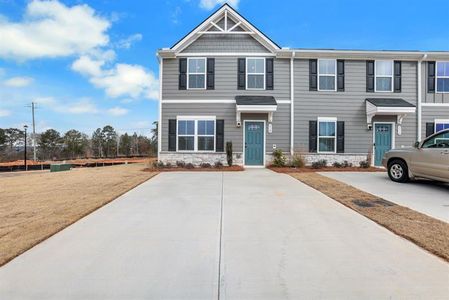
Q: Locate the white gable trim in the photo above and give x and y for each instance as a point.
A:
(227, 12)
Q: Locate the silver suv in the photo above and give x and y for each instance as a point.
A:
(428, 159)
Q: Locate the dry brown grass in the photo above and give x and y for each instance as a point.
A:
(33, 207)
(426, 232)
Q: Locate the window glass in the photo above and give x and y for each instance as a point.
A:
(206, 127)
(441, 126)
(255, 70)
(383, 83)
(326, 74)
(186, 127)
(384, 76)
(206, 143)
(327, 83)
(438, 141)
(326, 136)
(443, 77)
(327, 66)
(384, 68)
(186, 143)
(197, 73)
(443, 69)
(196, 135)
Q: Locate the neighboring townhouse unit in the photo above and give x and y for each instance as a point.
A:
(227, 81)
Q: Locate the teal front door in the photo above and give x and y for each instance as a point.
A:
(382, 142)
(254, 143)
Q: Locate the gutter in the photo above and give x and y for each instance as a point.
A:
(419, 127)
(159, 125)
(292, 104)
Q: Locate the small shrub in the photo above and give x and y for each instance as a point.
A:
(347, 164)
(205, 165)
(154, 164)
(279, 159)
(229, 153)
(180, 164)
(298, 161)
(189, 166)
(168, 165)
(319, 164)
(364, 164)
(160, 164)
(218, 165)
(337, 165)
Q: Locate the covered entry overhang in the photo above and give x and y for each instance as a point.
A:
(255, 104)
(388, 107)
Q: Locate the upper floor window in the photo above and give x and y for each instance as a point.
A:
(255, 73)
(196, 73)
(327, 74)
(442, 77)
(384, 76)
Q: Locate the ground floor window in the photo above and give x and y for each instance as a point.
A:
(327, 135)
(196, 134)
(441, 125)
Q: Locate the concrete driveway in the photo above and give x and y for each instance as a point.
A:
(428, 197)
(242, 235)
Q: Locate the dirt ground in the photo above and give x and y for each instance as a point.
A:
(36, 206)
(427, 232)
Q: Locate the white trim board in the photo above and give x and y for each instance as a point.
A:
(435, 104)
(236, 54)
(211, 101)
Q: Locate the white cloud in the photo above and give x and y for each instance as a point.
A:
(117, 111)
(127, 43)
(80, 106)
(18, 81)
(51, 29)
(210, 4)
(4, 112)
(122, 80)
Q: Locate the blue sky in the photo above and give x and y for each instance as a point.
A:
(92, 63)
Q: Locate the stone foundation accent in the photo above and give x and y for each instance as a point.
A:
(197, 159)
(354, 158)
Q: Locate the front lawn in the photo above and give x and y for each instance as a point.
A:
(35, 206)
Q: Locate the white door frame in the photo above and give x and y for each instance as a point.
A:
(264, 142)
(393, 138)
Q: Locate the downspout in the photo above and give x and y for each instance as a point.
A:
(418, 136)
(292, 105)
(159, 124)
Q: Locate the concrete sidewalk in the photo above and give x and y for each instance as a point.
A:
(428, 197)
(240, 235)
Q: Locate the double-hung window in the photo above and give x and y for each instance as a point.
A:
(196, 134)
(327, 74)
(384, 76)
(255, 73)
(196, 73)
(327, 135)
(441, 124)
(442, 77)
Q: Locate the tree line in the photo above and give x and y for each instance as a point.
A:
(52, 145)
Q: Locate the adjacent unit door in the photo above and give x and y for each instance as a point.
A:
(382, 141)
(254, 143)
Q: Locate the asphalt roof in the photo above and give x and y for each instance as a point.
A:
(255, 100)
(389, 102)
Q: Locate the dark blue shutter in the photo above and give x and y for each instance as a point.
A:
(313, 136)
(370, 76)
(269, 74)
(397, 76)
(430, 129)
(219, 136)
(313, 75)
(241, 74)
(340, 136)
(340, 75)
(210, 73)
(182, 74)
(431, 77)
(172, 135)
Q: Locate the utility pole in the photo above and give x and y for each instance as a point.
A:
(33, 108)
(25, 127)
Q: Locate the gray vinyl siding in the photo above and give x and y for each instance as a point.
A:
(431, 97)
(225, 81)
(429, 114)
(349, 106)
(227, 112)
(231, 43)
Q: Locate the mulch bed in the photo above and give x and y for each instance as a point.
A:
(178, 169)
(309, 169)
(426, 232)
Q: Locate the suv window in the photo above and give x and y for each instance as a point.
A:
(438, 141)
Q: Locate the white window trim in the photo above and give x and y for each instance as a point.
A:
(436, 77)
(384, 76)
(326, 119)
(196, 135)
(247, 73)
(335, 75)
(194, 73)
(439, 121)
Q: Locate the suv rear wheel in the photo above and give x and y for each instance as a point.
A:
(398, 171)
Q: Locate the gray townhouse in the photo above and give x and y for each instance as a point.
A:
(227, 81)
